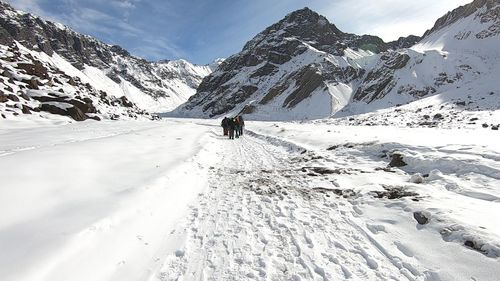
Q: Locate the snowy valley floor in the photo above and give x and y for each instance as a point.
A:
(174, 200)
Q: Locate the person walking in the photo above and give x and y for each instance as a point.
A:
(224, 125)
(231, 127)
(237, 126)
(241, 125)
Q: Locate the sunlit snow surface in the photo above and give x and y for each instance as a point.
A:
(175, 200)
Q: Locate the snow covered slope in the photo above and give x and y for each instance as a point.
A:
(287, 201)
(453, 60)
(152, 86)
(305, 68)
(36, 86)
(98, 199)
(300, 67)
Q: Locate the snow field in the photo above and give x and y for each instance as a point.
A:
(95, 201)
(175, 200)
(283, 205)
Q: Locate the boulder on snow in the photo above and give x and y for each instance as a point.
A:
(3, 97)
(397, 160)
(24, 95)
(438, 116)
(85, 107)
(36, 69)
(417, 178)
(13, 97)
(26, 109)
(72, 82)
(421, 217)
(53, 109)
(125, 102)
(32, 83)
(73, 112)
(7, 74)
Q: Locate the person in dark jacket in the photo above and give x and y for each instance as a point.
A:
(241, 125)
(224, 125)
(237, 126)
(231, 125)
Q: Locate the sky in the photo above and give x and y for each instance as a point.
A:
(201, 31)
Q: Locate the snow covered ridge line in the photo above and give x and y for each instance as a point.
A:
(152, 86)
(303, 67)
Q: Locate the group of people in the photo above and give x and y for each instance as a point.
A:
(233, 127)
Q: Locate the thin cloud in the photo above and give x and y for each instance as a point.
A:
(160, 49)
(389, 19)
(201, 30)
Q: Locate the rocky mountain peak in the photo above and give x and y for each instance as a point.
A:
(305, 67)
(308, 18)
(465, 11)
(304, 25)
(111, 69)
(119, 50)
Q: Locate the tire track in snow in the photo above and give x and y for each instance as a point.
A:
(257, 222)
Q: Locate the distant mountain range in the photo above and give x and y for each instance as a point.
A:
(302, 67)
(96, 70)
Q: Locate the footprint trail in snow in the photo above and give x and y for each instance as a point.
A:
(257, 222)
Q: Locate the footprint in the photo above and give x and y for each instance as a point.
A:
(371, 262)
(345, 270)
(375, 228)
(404, 249)
(357, 210)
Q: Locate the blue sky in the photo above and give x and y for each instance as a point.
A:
(203, 30)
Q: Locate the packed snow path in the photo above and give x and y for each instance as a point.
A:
(257, 221)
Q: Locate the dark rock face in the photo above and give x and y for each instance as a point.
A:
(44, 36)
(467, 10)
(404, 42)
(308, 80)
(36, 69)
(32, 83)
(380, 81)
(76, 114)
(421, 217)
(3, 98)
(26, 109)
(13, 97)
(73, 112)
(77, 111)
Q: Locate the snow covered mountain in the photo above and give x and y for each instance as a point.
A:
(303, 67)
(150, 86)
(293, 66)
(449, 77)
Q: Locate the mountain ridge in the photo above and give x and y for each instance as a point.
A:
(154, 79)
(304, 64)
